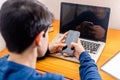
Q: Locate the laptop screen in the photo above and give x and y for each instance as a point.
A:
(90, 21)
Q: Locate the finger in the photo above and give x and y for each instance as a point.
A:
(63, 41)
(63, 36)
(94, 27)
(79, 42)
(72, 45)
(61, 45)
(97, 26)
(60, 49)
(92, 32)
(66, 55)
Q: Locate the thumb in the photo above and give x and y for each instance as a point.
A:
(72, 44)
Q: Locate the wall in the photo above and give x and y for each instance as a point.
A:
(54, 6)
(1, 2)
(2, 43)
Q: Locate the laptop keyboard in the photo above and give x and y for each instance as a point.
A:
(91, 47)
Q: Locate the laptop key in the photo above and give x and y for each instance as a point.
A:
(90, 47)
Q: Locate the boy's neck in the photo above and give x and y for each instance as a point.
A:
(27, 58)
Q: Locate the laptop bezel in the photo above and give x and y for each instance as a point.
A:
(67, 3)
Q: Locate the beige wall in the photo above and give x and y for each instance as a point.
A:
(2, 43)
(54, 6)
(1, 2)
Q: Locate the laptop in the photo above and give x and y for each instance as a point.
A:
(92, 23)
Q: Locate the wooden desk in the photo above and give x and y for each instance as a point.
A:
(70, 69)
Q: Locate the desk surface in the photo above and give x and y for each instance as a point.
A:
(70, 69)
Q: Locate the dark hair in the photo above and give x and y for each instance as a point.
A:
(21, 21)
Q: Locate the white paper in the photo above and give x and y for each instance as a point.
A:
(112, 67)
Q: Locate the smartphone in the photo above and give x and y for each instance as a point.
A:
(71, 37)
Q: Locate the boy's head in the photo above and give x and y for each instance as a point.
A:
(21, 21)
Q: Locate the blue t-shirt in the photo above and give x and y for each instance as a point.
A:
(88, 68)
(13, 71)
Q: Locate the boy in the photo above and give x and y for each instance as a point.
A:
(24, 27)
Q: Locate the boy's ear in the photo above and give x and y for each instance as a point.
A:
(38, 38)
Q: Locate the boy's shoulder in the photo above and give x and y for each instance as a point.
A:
(13, 71)
(2, 59)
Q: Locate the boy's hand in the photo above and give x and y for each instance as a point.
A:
(78, 49)
(58, 45)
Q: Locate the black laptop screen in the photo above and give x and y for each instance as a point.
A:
(91, 21)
